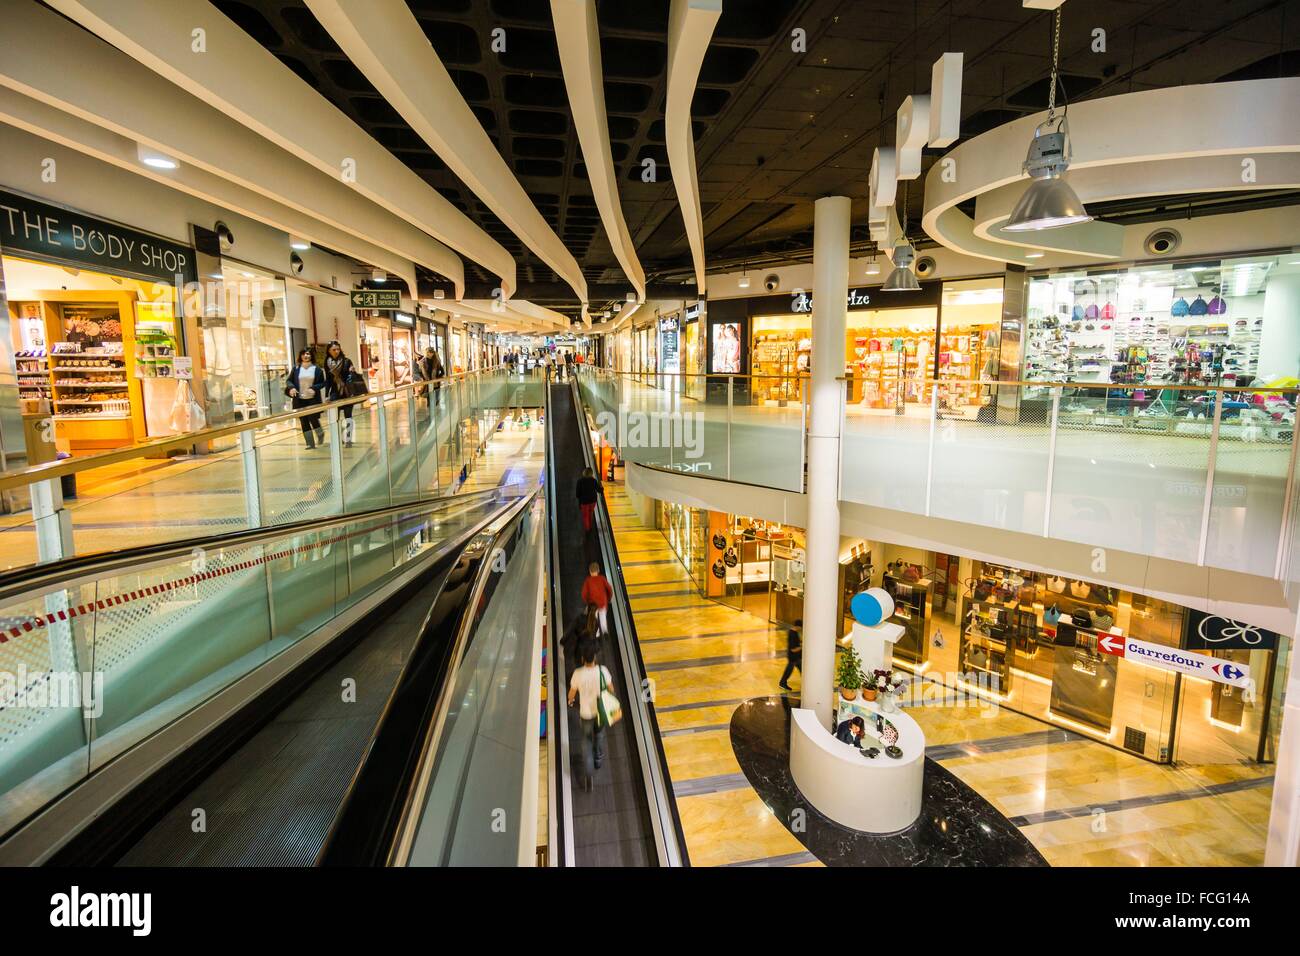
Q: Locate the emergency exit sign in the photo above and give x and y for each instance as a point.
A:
(376, 299)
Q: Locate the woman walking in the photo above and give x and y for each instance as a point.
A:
(341, 381)
(305, 386)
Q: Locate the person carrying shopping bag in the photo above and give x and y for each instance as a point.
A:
(305, 387)
(598, 708)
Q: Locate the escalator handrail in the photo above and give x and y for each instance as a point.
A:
(408, 821)
(658, 780)
(560, 793)
(70, 571)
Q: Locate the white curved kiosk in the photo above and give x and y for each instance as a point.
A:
(875, 795)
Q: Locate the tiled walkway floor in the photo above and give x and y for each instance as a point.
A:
(1080, 802)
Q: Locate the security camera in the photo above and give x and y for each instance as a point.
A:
(772, 282)
(225, 237)
(925, 266)
(1162, 242)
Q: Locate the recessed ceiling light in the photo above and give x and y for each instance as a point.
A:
(154, 158)
(1033, 255)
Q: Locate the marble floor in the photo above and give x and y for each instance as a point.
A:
(1079, 802)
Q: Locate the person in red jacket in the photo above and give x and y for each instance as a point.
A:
(597, 592)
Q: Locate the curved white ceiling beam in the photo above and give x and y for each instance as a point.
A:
(493, 320)
(536, 314)
(578, 37)
(100, 85)
(1108, 183)
(690, 27)
(385, 41)
(53, 124)
(238, 76)
(1134, 144)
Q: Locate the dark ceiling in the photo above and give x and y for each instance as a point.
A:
(775, 129)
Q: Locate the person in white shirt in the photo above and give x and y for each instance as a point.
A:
(584, 686)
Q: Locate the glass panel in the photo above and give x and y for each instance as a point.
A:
(1117, 484)
(991, 469)
(883, 457)
(170, 636)
(1250, 473)
(491, 721)
(403, 482)
(297, 479)
(365, 464)
(47, 697)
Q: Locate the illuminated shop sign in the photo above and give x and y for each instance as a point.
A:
(28, 225)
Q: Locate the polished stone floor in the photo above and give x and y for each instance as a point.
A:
(1079, 802)
(957, 826)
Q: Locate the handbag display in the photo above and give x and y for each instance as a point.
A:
(1056, 585)
(1080, 589)
(1052, 616)
(608, 710)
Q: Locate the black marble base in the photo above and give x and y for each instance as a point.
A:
(957, 826)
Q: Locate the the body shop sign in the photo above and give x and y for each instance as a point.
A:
(27, 225)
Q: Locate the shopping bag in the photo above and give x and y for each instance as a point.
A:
(608, 710)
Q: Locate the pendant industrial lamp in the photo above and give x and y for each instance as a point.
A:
(1050, 201)
(902, 279)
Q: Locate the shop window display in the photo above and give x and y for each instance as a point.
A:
(1228, 324)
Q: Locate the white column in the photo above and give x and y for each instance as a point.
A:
(821, 624)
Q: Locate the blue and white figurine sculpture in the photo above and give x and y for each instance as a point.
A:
(874, 635)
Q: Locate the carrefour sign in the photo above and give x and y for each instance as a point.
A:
(1173, 659)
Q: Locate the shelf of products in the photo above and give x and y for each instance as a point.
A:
(912, 611)
(34, 390)
(779, 360)
(89, 370)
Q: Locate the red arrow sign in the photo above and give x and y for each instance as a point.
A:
(1112, 644)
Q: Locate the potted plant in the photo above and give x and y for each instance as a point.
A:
(848, 673)
(870, 686)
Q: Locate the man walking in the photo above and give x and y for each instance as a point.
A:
(793, 653)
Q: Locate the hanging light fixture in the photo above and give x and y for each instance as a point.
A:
(744, 277)
(1050, 201)
(873, 267)
(902, 278)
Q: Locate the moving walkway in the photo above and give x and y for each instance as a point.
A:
(629, 818)
(312, 709)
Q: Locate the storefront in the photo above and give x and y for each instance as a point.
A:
(404, 354)
(693, 365)
(375, 349)
(1216, 322)
(1037, 644)
(94, 328)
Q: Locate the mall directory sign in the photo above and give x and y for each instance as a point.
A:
(376, 299)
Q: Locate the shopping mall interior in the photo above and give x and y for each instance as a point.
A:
(684, 433)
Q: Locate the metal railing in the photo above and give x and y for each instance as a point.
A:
(403, 444)
(1194, 473)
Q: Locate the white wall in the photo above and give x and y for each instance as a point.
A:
(1279, 348)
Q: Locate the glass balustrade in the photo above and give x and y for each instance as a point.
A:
(1199, 475)
(91, 668)
(404, 445)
